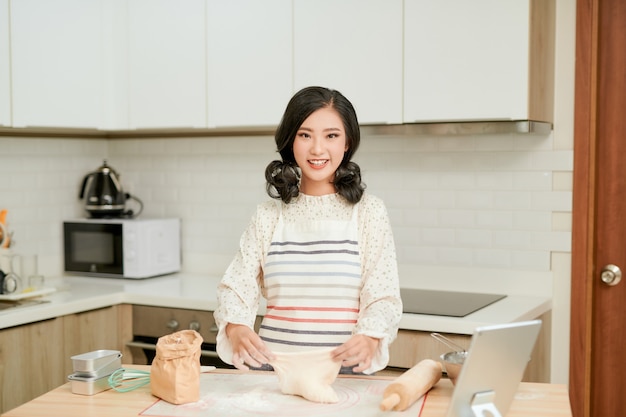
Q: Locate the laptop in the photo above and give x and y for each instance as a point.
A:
(493, 369)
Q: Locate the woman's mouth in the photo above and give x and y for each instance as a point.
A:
(318, 163)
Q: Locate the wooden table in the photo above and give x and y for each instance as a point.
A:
(533, 399)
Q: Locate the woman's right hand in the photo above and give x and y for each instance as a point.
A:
(248, 348)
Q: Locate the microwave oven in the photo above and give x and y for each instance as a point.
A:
(122, 248)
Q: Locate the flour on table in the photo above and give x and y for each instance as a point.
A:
(308, 374)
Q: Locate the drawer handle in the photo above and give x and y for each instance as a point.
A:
(194, 325)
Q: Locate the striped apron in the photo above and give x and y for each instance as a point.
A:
(312, 282)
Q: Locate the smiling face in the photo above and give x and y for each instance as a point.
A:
(319, 148)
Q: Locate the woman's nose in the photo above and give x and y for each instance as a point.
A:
(316, 146)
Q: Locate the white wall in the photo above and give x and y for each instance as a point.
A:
(474, 202)
(565, 55)
(39, 185)
(488, 201)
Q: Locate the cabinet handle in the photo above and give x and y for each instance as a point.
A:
(194, 325)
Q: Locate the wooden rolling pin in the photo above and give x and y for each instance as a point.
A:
(411, 385)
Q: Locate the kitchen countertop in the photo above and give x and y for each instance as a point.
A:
(541, 400)
(193, 291)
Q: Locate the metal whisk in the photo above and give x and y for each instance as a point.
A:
(448, 342)
(124, 380)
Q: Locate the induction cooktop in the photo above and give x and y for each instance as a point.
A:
(445, 303)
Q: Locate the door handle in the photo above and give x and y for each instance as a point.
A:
(611, 275)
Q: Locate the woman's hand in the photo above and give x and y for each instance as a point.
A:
(359, 350)
(248, 348)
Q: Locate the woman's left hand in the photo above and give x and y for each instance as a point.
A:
(358, 350)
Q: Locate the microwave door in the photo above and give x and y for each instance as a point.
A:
(94, 249)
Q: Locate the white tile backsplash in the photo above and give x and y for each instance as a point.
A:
(493, 201)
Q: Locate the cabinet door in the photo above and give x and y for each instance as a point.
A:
(31, 361)
(5, 65)
(249, 61)
(466, 60)
(57, 68)
(412, 346)
(167, 63)
(115, 112)
(353, 46)
(105, 328)
(35, 358)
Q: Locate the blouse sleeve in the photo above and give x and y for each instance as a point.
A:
(239, 290)
(381, 305)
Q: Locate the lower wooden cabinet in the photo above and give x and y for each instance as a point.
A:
(412, 346)
(31, 361)
(35, 358)
(105, 328)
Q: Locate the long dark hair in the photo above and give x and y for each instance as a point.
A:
(283, 176)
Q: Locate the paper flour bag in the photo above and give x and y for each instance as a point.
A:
(175, 372)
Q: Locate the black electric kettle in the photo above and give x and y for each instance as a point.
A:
(104, 196)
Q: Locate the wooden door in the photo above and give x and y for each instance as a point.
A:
(598, 322)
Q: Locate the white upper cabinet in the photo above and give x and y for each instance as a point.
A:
(115, 112)
(478, 60)
(354, 46)
(249, 61)
(167, 64)
(57, 67)
(5, 65)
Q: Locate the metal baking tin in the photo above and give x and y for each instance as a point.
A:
(97, 363)
(88, 385)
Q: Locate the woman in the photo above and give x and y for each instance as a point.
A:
(322, 254)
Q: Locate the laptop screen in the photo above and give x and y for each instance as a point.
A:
(493, 369)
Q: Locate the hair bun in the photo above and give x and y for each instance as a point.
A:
(348, 182)
(282, 180)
